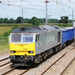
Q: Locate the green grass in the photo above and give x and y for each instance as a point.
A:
(65, 25)
(4, 29)
(60, 25)
(4, 49)
(4, 45)
(14, 24)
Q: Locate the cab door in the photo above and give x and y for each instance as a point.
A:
(37, 43)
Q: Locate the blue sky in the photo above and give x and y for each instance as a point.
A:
(56, 8)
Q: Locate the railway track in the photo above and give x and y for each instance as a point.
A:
(16, 72)
(61, 65)
(67, 66)
(4, 64)
(4, 61)
(69, 70)
(46, 68)
(54, 62)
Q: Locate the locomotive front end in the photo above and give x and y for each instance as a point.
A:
(22, 48)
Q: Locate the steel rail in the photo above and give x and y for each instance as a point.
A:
(5, 64)
(54, 62)
(4, 58)
(67, 66)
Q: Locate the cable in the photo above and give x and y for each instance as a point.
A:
(66, 5)
(71, 1)
(24, 7)
(27, 8)
(56, 1)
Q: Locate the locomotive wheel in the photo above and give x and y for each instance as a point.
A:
(12, 65)
(45, 56)
(60, 47)
(56, 49)
(64, 45)
(38, 59)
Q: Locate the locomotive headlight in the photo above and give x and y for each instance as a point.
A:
(12, 51)
(31, 52)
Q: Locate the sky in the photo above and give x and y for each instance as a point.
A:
(37, 8)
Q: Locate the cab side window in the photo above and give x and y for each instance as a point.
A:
(37, 37)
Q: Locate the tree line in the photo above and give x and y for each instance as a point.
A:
(35, 20)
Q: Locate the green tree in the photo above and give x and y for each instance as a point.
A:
(53, 21)
(19, 20)
(35, 21)
(27, 20)
(42, 20)
(1, 20)
(5, 20)
(11, 20)
(64, 19)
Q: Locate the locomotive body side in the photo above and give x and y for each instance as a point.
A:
(48, 40)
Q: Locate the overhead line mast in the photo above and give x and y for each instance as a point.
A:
(8, 2)
(46, 11)
(22, 21)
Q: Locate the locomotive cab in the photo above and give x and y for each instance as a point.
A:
(21, 44)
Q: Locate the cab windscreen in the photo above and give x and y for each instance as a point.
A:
(16, 38)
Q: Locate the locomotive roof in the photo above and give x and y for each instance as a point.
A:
(36, 29)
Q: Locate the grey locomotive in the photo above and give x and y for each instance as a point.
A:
(34, 44)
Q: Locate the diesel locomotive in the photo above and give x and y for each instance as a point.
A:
(34, 44)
